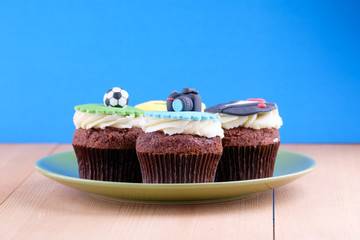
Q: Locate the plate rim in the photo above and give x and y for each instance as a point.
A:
(172, 185)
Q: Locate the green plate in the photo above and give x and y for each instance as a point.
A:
(63, 168)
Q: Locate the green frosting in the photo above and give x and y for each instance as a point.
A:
(102, 109)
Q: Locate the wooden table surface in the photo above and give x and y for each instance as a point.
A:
(324, 204)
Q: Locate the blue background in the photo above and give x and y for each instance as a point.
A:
(303, 55)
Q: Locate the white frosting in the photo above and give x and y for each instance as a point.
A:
(205, 128)
(257, 121)
(86, 120)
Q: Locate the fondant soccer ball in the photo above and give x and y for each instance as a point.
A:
(116, 97)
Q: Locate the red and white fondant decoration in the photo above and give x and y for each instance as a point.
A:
(260, 105)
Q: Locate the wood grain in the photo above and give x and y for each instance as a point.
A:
(326, 203)
(16, 164)
(40, 208)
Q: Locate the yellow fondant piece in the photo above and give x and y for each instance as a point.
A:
(158, 105)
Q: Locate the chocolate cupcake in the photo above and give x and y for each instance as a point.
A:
(179, 147)
(251, 139)
(104, 141)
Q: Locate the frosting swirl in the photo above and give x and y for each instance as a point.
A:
(86, 120)
(270, 119)
(204, 128)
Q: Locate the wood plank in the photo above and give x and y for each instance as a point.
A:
(326, 203)
(63, 148)
(16, 164)
(41, 208)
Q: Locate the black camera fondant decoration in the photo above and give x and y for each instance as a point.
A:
(188, 100)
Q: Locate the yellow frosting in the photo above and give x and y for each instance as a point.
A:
(158, 105)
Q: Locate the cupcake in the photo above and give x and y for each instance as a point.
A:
(179, 147)
(105, 138)
(251, 139)
(182, 144)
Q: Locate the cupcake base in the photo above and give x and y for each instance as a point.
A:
(107, 154)
(178, 168)
(178, 158)
(247, 162)
(116, 165)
